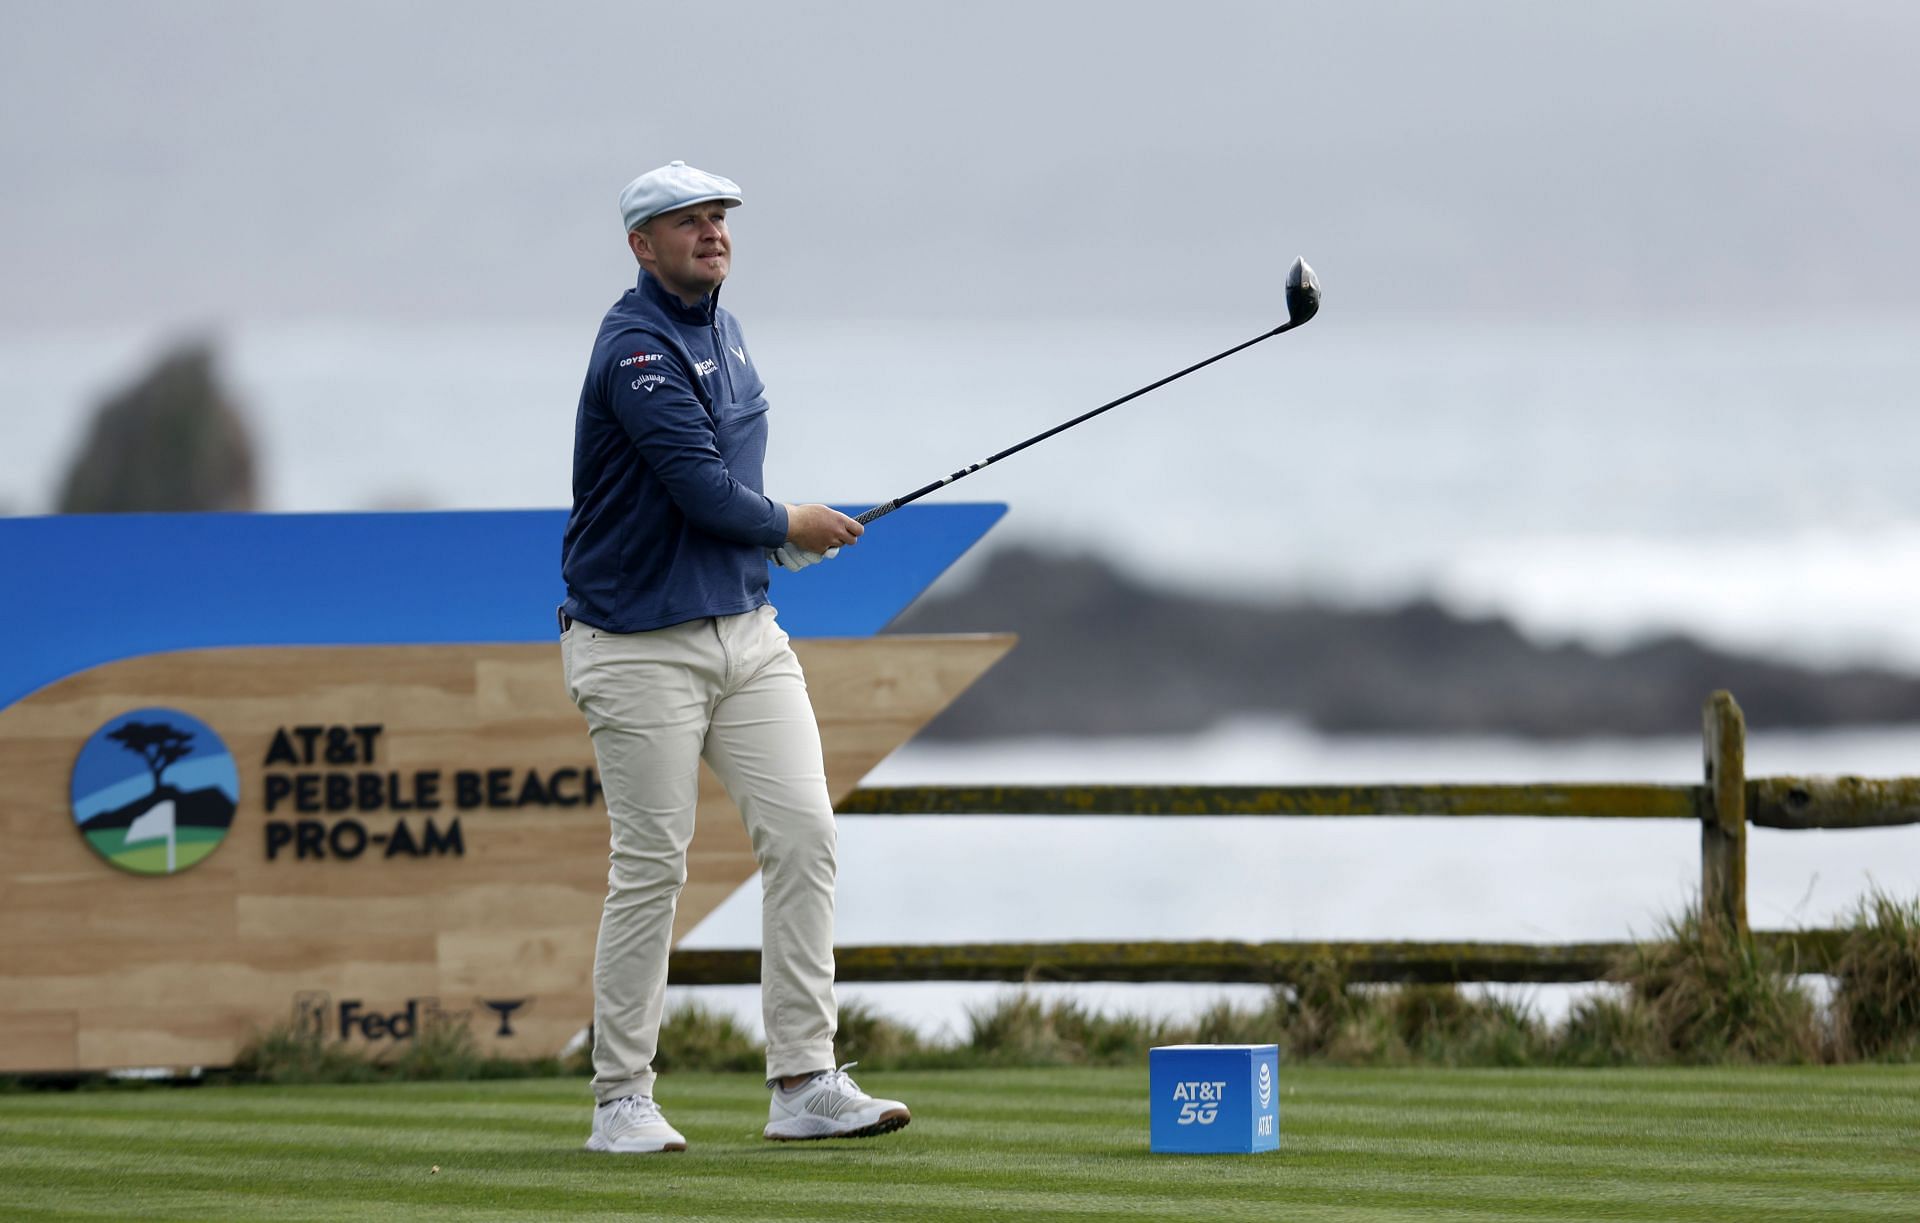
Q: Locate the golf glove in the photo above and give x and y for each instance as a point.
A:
(794, 558)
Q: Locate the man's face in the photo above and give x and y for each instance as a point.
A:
(687, 250)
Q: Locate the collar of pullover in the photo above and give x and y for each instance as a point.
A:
(657, 295)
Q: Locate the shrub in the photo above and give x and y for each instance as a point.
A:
(443, 1049)
(1322, 1015)
(878, 1042)
(1445, 1026)
(1226, 1024)
(695, 1038)
(1325, 1017)
(1712, 996)
(288, 1054)
(1610, 1028)
(1876, 999)
(1020, 1030)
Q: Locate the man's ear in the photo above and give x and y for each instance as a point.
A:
(642, 248)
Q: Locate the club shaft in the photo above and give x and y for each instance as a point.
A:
(882, 510)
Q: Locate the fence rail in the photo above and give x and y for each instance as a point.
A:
(1584, 801)
(1224, 962)
(1771, 802)
(1833, 802)
(1724, 804)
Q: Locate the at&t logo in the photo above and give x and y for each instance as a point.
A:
(1199, 1101)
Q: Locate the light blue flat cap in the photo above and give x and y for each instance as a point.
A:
(674, 185)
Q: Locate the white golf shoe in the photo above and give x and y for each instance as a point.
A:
(633, 1125)
(831, 1105)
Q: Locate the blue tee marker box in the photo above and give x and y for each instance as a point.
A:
(1214, 1099)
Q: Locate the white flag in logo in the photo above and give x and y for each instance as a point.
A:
(153, 824)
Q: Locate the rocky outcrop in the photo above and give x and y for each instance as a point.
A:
(1099, 654)
(172, 441)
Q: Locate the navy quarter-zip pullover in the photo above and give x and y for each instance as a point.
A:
(669, 523)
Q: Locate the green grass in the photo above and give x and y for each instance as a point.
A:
(1747, 1143)
(150, 857)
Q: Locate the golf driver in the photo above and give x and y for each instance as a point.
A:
(1303, 301)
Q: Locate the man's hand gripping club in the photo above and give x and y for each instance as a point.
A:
(815, 533)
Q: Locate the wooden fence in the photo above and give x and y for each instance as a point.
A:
(1725, 804)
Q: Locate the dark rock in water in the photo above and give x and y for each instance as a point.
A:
(172, 441)
(206, 808)
(1101, 655)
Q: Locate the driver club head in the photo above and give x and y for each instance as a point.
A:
(1303, 293)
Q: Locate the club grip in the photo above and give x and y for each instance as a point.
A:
(878, 511)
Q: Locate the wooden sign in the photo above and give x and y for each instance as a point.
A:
(358, 839)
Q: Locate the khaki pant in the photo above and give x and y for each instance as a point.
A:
(727, 690)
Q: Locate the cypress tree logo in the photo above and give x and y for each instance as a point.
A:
(154, 791)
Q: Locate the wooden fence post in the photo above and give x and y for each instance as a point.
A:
(1723, 820)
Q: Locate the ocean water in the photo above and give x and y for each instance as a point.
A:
(1749, 484)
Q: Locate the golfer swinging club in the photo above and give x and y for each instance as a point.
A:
(672, 652)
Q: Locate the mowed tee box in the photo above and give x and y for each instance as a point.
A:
(1214, 1099)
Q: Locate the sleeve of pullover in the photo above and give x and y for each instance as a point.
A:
(674, 434)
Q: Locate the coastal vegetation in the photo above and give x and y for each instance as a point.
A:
(1694, 994)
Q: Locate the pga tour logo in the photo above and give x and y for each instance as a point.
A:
(1199, 1100)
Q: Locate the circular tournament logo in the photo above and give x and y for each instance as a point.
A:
(154, 791)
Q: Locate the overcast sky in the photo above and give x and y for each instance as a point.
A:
(180, 164)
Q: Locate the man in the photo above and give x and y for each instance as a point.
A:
(672, 653)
